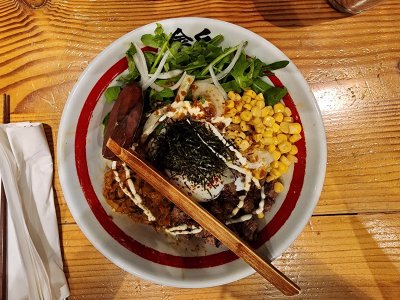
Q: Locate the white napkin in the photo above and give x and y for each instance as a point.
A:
(35, 267)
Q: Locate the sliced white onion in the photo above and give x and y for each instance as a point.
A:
(143, 76)
(216, 83)
(178, 84)
(232, 64)
(154, 77)
(156, 87)
(229, 68)
(142, 63)
(170, 74)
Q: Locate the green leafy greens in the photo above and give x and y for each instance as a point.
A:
(196, 60)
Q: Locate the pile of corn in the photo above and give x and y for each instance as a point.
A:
(256, 126)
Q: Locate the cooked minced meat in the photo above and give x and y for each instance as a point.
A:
(167, 215)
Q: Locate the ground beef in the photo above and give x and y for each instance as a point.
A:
(168, 215)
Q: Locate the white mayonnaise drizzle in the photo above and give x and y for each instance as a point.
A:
(183, 229)
(240, 219)
(238, 206)
(131, 193)
(260, 208)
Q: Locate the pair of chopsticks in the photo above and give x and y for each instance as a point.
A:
(3, 215)
(205, 219)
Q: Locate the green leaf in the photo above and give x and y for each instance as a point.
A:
(150, 58)
(260, 86)
(112, 93)
(106, 118)
(131, 50)
(232, 86)
(149, 40)
(161, 95)
(216, 40)
(274, 95)
(276, 65)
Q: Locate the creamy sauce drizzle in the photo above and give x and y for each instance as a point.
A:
(183, 229)
(260, 208)
(131, 193)
(240, 219)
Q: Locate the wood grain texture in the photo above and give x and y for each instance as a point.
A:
(335, 257)
(352, 64)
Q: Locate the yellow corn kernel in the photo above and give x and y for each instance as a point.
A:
(281, 138)
(230, 104)
(253, 102)
(244, 126)
(282, 167)
(248, 106)
(275, 140)
(284, 147)
(276, 127)
(239, 107)
(285, 160)
(279, 108)
(288, 119)
(294, 138)
(268, 132)
(268, 121)
(287, 112)
(278, 117)
(242, 135)
(260, 104)
(284, 127)
(250, 93)
(259, 128)
(260, 215)
(275, 173)
(231, 112)
(271, 148)
(294, 150)
(238, 140)
(260, 96)
(275, 164)
(267, 141)
(244, 145)
(294, 128)
(269, 178)
(278, 187)
(231, 95)
(237, 97)
(256, 121)
(246, 98)
(265, 111)
(245, 115)
(236, 120)
(256, 111)
(292, 158)
(231, 135)
(276, 155)
(257, 137)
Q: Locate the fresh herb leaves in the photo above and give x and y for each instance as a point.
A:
(112, 93)
(196, 60)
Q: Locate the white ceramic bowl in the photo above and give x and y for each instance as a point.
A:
(138, 249)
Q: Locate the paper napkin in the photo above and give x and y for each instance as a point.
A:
(35, 267)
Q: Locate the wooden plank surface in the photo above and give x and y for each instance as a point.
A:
(348, 256)
(351, 246)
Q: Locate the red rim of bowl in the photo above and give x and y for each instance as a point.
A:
(144, 251)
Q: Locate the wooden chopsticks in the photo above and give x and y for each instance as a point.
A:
(205, 219)
(3, 214)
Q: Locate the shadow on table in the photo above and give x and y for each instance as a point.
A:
(294, 13)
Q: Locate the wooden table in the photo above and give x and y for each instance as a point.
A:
(351, 245)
